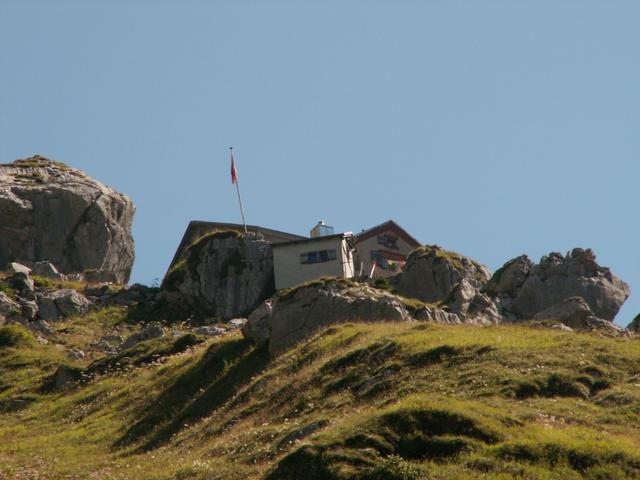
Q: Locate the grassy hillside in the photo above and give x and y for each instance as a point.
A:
(358, 401)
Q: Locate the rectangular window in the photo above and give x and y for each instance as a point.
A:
(320, 256)
(388, 241)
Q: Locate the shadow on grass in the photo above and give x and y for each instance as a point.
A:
(197, 392)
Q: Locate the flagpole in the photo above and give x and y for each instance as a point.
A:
(238, 192)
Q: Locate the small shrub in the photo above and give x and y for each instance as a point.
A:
(43, 282)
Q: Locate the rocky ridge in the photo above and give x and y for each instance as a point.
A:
(224, 275)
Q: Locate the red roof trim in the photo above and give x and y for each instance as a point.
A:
(386, 226)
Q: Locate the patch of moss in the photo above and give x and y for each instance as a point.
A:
(175, 276)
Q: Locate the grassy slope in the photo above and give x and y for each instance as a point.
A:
(366, 401)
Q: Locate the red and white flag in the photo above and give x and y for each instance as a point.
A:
(234, 174)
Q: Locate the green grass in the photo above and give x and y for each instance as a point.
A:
(38, 162)
(399, 401)
(15, 336)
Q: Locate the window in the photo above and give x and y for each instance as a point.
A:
(320, 256)
(386, 263)
(388, 241)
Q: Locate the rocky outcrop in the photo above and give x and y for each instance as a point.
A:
(224, 275)
(521, 289)
(33, 306)
(300, 312)
(51, 212)
(431, 273)
(152, 331)
(574, 312)
(634, 326)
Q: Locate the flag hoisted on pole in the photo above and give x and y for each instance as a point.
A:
(234, 180)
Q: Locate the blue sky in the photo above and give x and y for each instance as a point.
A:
(492, 128)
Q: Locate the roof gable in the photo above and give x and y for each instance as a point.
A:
(389, 225)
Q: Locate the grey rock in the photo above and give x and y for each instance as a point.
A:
(15, 267)
(430, 274)
(437, 315)
(510, 278)
(236, 323)
(40, 326)
(29, 309)
(46, 269)
(7, 306)
(555, 279)
(59, 304)
(105, 347)
(23, 283)
(152, 331)
(211, 331)
(306, 309)
(224, 275)
(257, 326)
(51, 212)
(76, 354)
(574, 312)
(65, 377)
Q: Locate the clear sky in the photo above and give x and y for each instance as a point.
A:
(492, 128)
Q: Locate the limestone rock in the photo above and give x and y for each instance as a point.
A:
(211, 331)
(257, 326)
(40, 326)
(510, 278)
(7, 306)
(15, 267)
(437, 315)
(224, 275)
(46, 269)
(430, 274)
(524, 289)
(29, 309)
(51, 212)
(58, 304)
(574, 312)
(21, 281)
(65, 377)
(303, 310)
(152, 331)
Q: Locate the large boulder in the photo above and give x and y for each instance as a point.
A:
(575, 313)
(224, 275)
(523, 289)
(51, 212)
(298, 313)
(431, 273)
(59, 304)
